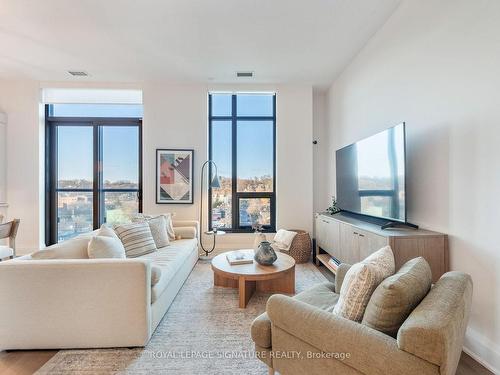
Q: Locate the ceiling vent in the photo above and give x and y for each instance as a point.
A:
(78, 73)
(244, 74)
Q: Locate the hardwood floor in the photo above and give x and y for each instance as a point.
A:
(27, 362)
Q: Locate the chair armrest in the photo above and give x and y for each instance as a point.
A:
(75, 303)
(340, 274)
(367, 350)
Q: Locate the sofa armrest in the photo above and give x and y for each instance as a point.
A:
(178, 224)
(340, 274)
(435, 329)
(75, 303)
(367, 350)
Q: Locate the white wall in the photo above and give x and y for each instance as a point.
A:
(321, 199)
(174, 116)
(436, 65)
(20, 101)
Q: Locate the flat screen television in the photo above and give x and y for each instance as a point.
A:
(371, 176)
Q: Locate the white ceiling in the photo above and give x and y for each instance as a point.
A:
(282, 41)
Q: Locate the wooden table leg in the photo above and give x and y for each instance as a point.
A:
(246, 289)
(225, 281)
(284, 284)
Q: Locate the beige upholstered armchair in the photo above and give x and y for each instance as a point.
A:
(301, 335)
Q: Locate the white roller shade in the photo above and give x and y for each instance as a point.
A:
(91, 96)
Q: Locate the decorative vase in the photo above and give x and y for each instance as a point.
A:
(265, 254)
(259, 237)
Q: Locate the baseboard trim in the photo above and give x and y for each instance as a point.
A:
(490, 355)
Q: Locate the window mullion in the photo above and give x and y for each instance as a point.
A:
(97, 155)
(235, 205)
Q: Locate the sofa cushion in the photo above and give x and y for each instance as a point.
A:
(136, 238)
(360, 281)
(322, 296)
(169, 259)
(396, 297)
(75, 248)
(105, 247)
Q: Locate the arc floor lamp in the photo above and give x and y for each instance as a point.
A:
(214, 183)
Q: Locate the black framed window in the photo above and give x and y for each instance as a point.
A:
(242, 142)
(93, 169)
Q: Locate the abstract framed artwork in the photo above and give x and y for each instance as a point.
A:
(174, 176)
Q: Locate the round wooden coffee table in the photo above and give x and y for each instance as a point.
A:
(247, 278)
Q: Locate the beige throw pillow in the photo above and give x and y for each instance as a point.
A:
(136, 238)
(158, 226)
(105, 247)
(397, 296)
(360, 281)
(169, 226)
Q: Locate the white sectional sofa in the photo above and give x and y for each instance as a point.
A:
(92, 303)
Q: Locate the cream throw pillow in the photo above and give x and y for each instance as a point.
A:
(169, 226)
(360, 282)
(158, 226)
(106, 247)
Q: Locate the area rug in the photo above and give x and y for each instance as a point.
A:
(203, 332)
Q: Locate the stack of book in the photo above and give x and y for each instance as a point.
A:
(239, 257)
(333, 263)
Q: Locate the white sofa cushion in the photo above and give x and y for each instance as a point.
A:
(169, 259)
(105, 247)
(75, 248)
(136, 238)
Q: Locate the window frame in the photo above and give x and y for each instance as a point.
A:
(235, 195)
(97, 190)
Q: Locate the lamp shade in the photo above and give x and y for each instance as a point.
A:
(215, 183)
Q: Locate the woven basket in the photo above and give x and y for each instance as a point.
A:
(301, 248)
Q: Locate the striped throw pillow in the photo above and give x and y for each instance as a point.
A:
(136, 238)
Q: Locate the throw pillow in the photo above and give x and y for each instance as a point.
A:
(158, 226)
(360, 281)
(168, 222)
(397, 296)
(136, 238)
(107, 232)
(75, 248)
(105, 247)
